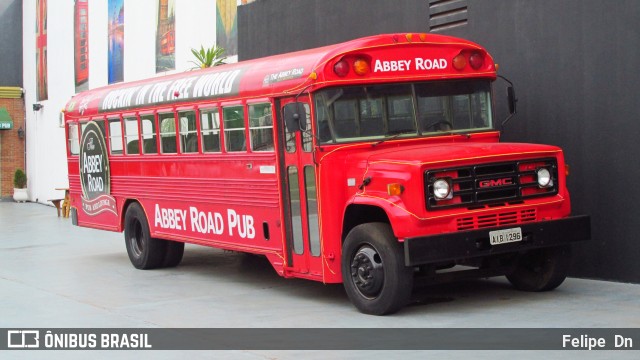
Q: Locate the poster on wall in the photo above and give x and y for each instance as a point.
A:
(226, 26)
(166, 36)
(41, 50)
(81, 44)
(116, 41)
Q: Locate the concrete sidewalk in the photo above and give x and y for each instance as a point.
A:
(53, 274)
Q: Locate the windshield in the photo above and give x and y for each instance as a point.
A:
(364, 113)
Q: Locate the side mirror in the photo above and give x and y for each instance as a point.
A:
(511, 98)
(295, 117)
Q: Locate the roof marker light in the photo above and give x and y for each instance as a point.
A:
(459, 62)
(341, 68)
(361, 67)
(476, 60)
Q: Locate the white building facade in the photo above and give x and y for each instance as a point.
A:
(195, 26)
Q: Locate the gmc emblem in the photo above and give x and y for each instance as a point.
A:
(496, 182)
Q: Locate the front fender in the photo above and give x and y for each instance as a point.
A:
(402, 220)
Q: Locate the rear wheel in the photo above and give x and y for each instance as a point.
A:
(173, 256)
(144, 251)
(373, 271)
(541, 269)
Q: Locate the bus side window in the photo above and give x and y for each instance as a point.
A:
(234, 136)
(74, 141)
(131, 135)
(115, 136)
(167, 133)
(188, 132)
(149, 143)
(210, 127)
(261, 127)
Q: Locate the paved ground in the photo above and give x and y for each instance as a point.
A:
(53, 274)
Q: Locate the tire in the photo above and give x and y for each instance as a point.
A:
(144, 251)
(541, 269)
(373, 271)
(173, 255)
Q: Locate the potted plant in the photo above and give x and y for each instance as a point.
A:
(209, 57)
(20, 186)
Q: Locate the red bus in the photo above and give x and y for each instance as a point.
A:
(375, 163)
(81, 21)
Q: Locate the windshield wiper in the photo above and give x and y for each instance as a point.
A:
(394, 134)
(467, 135)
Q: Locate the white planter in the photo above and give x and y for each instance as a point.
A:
(20, 195)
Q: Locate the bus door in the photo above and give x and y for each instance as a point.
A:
(298, 179)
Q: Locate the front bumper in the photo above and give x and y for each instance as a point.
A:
(475, 243)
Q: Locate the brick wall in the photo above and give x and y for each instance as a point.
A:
(11, 146)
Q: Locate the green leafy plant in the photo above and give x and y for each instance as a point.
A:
(209, 57)
(19, 179)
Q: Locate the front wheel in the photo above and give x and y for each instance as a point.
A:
(541, 269)
(373, 271)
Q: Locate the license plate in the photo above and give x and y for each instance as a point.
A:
(505, 236)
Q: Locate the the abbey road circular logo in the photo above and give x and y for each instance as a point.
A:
(95, 176)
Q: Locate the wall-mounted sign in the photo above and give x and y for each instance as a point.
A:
(6, 123)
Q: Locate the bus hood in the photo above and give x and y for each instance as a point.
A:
(460, 153)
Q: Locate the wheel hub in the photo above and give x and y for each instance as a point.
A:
(367, 271)
(137, 242)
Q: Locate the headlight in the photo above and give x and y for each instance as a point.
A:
(544, 178)
(442, 189)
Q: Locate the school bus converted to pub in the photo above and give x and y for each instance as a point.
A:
(372, 162)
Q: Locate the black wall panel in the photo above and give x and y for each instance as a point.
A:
(11, 43)
(269, 27)
(576, 67)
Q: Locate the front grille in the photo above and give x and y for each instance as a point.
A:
(495, 183)
(494, 220)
